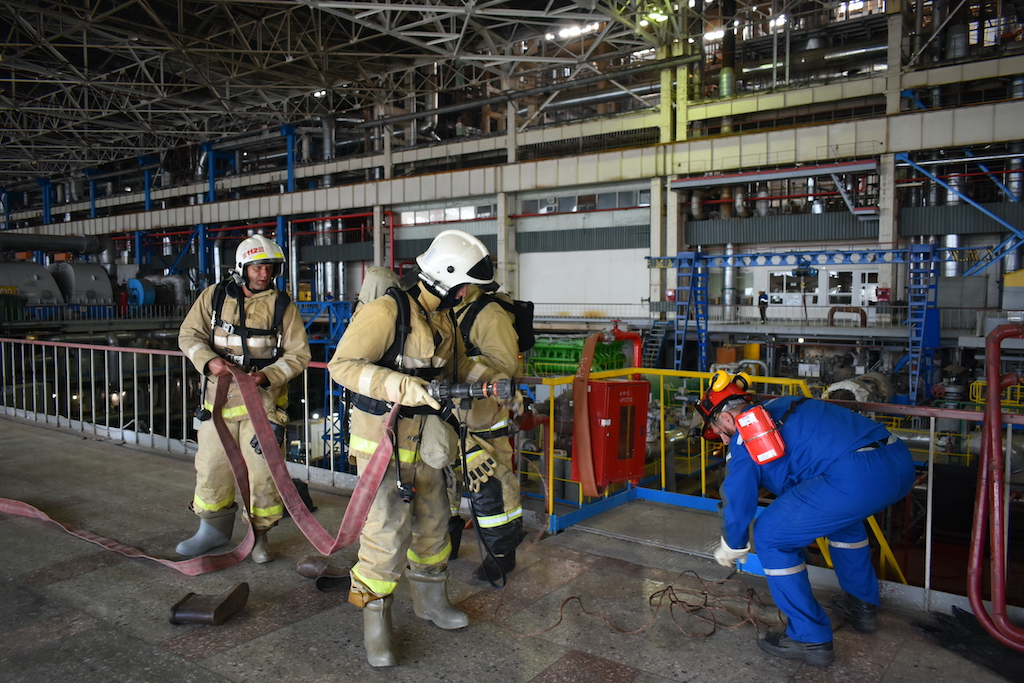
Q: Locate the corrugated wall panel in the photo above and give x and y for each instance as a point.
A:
(407, 250)
(624, 237)
(799, 228)
(958, 220)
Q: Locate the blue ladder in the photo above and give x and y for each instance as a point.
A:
(922, 314)
(691, 301)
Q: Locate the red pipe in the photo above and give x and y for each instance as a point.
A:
(989, 500)
(638, 352)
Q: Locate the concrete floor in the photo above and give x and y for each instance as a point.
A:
(72, 611)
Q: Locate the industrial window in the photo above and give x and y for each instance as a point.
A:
(530, 206)
(840, 287)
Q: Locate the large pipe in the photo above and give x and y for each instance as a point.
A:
(696, 209)
(85, 244)
(989, 501)
(532, 92)
(727, 76)
(729, 287)
(741, 202)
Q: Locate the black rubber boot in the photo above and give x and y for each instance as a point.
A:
(862, 615)
(493, 568)
(456, 525)
(781, 645)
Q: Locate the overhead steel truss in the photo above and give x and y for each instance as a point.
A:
(89, 81)
(86, 82)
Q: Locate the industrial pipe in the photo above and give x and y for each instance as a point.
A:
(989, 500)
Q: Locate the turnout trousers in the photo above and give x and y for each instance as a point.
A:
(215, 485)
(397, 533)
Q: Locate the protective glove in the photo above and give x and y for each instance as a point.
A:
(515, 405)
(408, 391)
(480, 466)
(728, 557)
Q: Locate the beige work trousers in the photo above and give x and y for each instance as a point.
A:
(215, 485)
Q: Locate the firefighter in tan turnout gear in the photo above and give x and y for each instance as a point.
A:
(406, 532)
(244, 321)
(488, 334)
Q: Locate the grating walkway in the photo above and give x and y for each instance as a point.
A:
(70, 611)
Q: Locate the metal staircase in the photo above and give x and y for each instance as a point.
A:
(691, 301)
(922, 314)
(654, 343)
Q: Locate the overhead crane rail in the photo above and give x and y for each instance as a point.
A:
(823, 257)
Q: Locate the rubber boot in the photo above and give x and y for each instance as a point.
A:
(430, 600)
(261, 553)
(214, 530)
(378, 635)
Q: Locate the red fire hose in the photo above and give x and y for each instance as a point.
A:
(351, 525)
(988, 504)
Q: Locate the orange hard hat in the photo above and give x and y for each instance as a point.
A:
(721, 388)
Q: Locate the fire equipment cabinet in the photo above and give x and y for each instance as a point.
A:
(618, 429)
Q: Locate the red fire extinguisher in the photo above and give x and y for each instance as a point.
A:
(760, 435)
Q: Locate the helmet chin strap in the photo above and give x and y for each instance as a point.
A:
(450, 300)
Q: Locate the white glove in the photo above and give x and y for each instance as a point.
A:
(408, 391)
(728, 557)
(480, 466)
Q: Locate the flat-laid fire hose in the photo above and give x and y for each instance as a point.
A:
(582, 445)
(351, 525)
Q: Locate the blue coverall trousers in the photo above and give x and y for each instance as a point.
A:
(835, 505)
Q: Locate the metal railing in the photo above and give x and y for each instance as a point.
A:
(965, 320)
(147, 397)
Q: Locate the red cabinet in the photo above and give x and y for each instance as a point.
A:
(618, 429)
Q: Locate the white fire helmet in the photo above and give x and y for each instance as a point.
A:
(453, 259)
(257, 250)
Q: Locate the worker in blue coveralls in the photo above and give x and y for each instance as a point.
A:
(829, 469)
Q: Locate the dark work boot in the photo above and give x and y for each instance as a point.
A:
(493, 568)
(861, 614)
(781, 645)
(456, 525)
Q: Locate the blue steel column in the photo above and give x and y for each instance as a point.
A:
(289, 132)
(138, 248)
(5, 199)
(203, 258)
(147, 176)
(211, 171)
(47, 199)
(282, 241)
